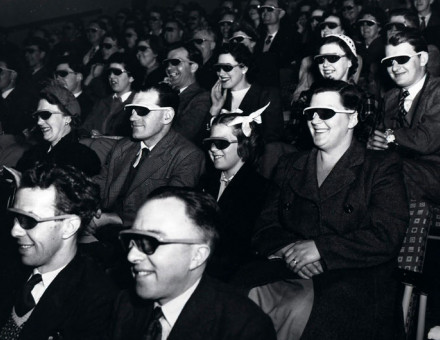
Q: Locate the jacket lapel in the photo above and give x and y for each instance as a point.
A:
(419, 111)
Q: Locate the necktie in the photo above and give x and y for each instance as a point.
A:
(268, 40)
(154, 330)
(402, 111)
(25, 301)
(422, 23)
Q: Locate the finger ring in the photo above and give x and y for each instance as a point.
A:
(294, 261)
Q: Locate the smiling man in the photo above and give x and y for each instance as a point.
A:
(412, 122)
(181, 66)
(158, 156)
(63, 295)
(173, 298)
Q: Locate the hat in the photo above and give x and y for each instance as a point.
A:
(347, 40)
(59, 95)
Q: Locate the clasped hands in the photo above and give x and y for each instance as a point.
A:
(303, 258)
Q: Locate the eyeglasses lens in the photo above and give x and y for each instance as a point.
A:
(347, 8)
(140, 111)
(26, 222)
(330, 25)
(115, 71)
(169, 29)
(142, 48)
(198, 41)
(237, 40)
(226, 68)
(402, 59)
(367, 23)
(44, 115)
(61, 73)
(173, 62)
(107, 46)
(268, 9)
(146, 244)
(322, 113)
(330, 58)
(220, 144)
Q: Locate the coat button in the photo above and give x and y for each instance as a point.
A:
(287, 206)
(348, 208)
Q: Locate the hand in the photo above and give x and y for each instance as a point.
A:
(218, 98)
(301, 254)
(434, 333)
(97, 70)
(310, 270)
(377, 141)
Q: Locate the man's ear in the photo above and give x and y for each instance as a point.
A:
(200, 256)
(194, 67)
(353, 120)
(424, 58)
(71, 226)
(168, 116)
(282, 13)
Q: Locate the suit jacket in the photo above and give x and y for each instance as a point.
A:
(213, 312)
(77, 304)
(431, 32)
(173, 161)
(193, 113)
(241, 203)
(257, 97)
(357, 219)
(418, 144)
(109, 118)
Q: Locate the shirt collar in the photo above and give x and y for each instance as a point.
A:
(6, 93)
(76, 95)
(172, 309)
(183, 89)
(416, 88)
(48, 277)
(427, 16)
(124, 97)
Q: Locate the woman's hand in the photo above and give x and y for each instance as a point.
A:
(310, 270)
(303, 253)
(218, 98)
(377, 141)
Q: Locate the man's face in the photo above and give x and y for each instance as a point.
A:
(409, 73)
(121, 83)
(34, 56)
(154, 21)
(43, 246)
(183, 74)
(397, 19)
(423, 5)
(7, 77)
(271, 17)
(168, 272)
(109, 47)
(94, 33)
(172, 32)
(68, 78)
(147, 128)
(350, 10)
(194, 20)
(204, 43)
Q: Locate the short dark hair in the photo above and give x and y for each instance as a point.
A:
(348, 52)
(168, 97)
(155, 43)
(410, 16)
(246, 28)
(376, 12)
(201, 208)
(75, 192)
(42, 44)
(194, 53)
(411, 36)
(73, 61)
(123, 59)
(240, 53)
(249, 148)
(351, 96)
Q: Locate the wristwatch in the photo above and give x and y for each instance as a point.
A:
(389, 136)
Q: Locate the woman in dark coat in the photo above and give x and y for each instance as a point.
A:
(57, 114)
(234, 146)
(338, 217)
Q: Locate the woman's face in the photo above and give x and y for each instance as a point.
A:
(225, 25)
(56, 126)
(109, 47)
(145, 54)
(331, 25)
(337, 70)
(234, 79)
(335, 132)
(253, 9)
(130, 37)
(247, 41)
(369, 27)
(227, 159)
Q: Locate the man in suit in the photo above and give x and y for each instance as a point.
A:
(36, 55)
(108, 116)
(62, 295)
(173, 299)
(429, 21)
(158, 156)
(181, 66)
(412, 122)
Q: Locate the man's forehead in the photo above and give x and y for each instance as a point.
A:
(271, 3)
(404, 48)
(398, 18)
(150, 97)
(201, 35)
(36, 199)
(64, 66)
(178, 53)
(117, 65)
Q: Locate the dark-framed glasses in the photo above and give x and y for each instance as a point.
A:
(44, 114)
(238, 39)
(323, 112)
(62, 73)
(399, 59)
(328, 24)
(316, 18)
(107, 46)
(225, 67)
(174, 62)
(331, 58)
(142, 48)
(366, 22)
(253, 7)
(219, 143)
(92, 30)
(115, 71)
(169, 29)
(5, 69)
(347, 8)
(199, 41)
(267, 8)
(28, 220)
(226, 22)
(398, 26)
(142, 111)
(148, 242)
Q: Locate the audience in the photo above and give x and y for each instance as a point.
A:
(142, 78)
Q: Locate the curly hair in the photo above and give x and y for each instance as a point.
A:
(76, 193)
(249, 148)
